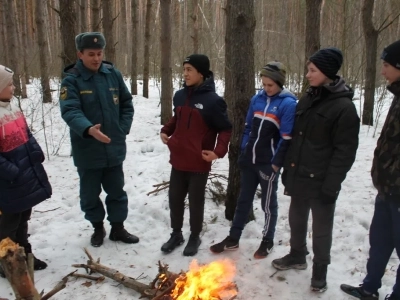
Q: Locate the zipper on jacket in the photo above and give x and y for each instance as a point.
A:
(259, 130)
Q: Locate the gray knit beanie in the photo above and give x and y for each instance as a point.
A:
(6, 76)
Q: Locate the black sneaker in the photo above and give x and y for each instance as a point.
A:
(38, 264)
(97, 238)
(318, 279)
(290, 261)
(392, 297)
(358, 292)
(228, 243)
(192, 246)
(265, 248)
(174, 241)
(119, 233)
(2, 274)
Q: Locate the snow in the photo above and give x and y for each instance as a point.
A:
(59, 231)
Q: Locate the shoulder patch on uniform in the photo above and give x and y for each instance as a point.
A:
(63, 93)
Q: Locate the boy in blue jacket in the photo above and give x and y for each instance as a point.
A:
(266, 138)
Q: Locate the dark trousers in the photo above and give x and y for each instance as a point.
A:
(182, 183)
(250, 177)
(112, 181)
(15, 227)
(322, 226)
(384, 237)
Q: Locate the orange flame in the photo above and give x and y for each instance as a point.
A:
(208, 282)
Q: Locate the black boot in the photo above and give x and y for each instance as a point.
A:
(192, 246)
(119, 233)
(97, 238)
(2, 274)
(174, 241)
(37, 263)
(318, 280)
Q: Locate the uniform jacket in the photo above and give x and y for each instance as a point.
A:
(23, 180)
(268, 128)
(386, 164)
(88, 98)
(200, 122)
(324, 144)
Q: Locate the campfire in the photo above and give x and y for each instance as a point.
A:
(206, 282)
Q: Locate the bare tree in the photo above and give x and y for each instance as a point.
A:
(12, 43)
(43, 53)
(146, 60)
(24, 39)
(3, 33)
(195, 19)
(108, 23)
(67, 26)
(166, 70)
(134, 51)
(239, 85)
(371, 47)
(312, 41)
(82, 4)
(95, 14)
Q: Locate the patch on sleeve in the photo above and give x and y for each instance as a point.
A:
(115, 99)
(63, 93)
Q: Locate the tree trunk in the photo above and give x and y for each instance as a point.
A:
(166, 70)
(95, 13)
(239, 88)
(83, 15)
(124, 36)
(43, 53)
(134, 51)
(108, 23)
(313, 41)
(195, 17)
(68, 33)
(4, 35)
(371, 45)
(12, 43)
(24, 38)
(146, 60)
(20, 51)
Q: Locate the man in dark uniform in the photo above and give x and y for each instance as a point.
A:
(97, 106)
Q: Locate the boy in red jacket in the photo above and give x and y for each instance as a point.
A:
(198, 133)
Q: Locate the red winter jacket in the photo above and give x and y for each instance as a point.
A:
(200, 122)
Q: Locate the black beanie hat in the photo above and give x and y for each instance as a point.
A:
(276, 71)
(391, 54)
(328, 61)
(90, 40)
(200, 62)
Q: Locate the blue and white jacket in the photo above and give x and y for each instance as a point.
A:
(268, 128)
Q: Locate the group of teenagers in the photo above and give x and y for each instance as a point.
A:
(310, 143)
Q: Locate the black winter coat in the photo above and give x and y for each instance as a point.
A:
(324, 144)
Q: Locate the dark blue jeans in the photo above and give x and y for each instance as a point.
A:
(384, 237)
(112, 181)
(250, 177)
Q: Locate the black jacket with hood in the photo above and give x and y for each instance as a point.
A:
(324, 144)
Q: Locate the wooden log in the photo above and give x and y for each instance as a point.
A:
(13, 261)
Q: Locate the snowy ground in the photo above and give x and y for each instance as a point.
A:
(59, 232)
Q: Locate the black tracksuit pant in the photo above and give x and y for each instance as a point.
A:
(181, 184)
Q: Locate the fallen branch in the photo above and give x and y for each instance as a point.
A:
(44, 211)
(60, 286)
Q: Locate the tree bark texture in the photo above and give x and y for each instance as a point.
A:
(239, 88)
(146, 60)
(67, 26)
(166, 70)
(135, 47)
(108, 24)
(371, 46)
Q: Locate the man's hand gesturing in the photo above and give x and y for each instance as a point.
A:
(95, 132)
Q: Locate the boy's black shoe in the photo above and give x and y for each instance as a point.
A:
(38, 264)
(192, 246)
(290, 261)
(318, 280)
(358, 292)
(228, 243)
(265, 248)
(119, 233)
(174, 241)
(2, 274)
(97, 238)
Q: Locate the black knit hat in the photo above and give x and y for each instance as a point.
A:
(200, 62)
(328, 61)
(391, 54)
(276, 71)
(90, 40)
